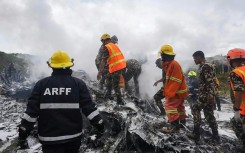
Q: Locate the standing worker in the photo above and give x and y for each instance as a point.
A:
(133, 70)
(236, 58)
(98, 60)
(193, 86)
(159, 95)
(205, 101)
(112, 56)
(55, 102)
(175, 90)
(216, 96)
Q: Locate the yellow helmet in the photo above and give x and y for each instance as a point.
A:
(105, 36)
(60, 60)
(167, 49)
(192, 73)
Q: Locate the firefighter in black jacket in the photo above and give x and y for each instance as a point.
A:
(55, 103)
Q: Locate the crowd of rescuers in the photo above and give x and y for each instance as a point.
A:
(58, 98)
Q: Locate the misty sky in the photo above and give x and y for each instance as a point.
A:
(41, 27)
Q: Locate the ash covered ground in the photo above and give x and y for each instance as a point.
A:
(136, 126)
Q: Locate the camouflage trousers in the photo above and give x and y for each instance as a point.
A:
(158, 99)
(239, 128)
(208, 114)
(135, 75)
(103, 78)
(112, 80)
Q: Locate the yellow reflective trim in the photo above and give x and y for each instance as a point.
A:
(115, 63)
(243, 103)
(182, 91)
(174, 79)
(113, 51)
(243, 73)
(113, 55)
(171, 112)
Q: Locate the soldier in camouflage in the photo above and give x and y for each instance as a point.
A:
(236, 57)
(159, 95)
(97, 63)
(133, 70)
(113, 78)
(98, 60)
(205, 101)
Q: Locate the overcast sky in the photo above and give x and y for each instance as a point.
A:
(41, 27)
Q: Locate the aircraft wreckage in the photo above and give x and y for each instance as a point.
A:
(133, 127)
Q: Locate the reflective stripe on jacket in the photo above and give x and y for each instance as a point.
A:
(241, 72)
(175, 84)
(116, 60)
(56, 102)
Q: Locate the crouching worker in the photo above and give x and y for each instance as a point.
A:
(174, 90)
(56, 101)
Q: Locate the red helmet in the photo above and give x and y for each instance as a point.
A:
(235, 54)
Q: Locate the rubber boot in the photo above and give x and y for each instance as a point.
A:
(173, 128)
(160, 106)
(215, 137)
(196, 133)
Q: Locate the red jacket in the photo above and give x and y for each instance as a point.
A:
(175, 84)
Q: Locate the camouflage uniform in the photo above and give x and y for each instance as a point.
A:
(238, 126)
(133, 70)
(97, 63)
(112, 79)
(159, 96)
(192, 84)
(206, 83)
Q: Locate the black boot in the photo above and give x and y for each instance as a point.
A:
(162, 110)
(173, 128)
(119, 100)
(195, 135)
(215, 137)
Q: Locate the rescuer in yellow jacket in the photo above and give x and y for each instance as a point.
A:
(175, 90)
(116, 63)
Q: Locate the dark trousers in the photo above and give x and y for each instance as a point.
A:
(68, 147)
(217, 99)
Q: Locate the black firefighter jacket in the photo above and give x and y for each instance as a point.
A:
(55, 103)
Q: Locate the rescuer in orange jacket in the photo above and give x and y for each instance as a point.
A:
(236, 57)
(175, 90)
(116, 64)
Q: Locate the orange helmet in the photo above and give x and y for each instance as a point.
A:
(235, 54)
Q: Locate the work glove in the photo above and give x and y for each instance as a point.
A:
(100, 130)
(237, 116)
(23, 144)
(23, 134)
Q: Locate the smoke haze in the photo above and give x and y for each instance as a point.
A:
(142, 26)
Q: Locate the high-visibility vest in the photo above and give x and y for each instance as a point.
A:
(175, 84)
(240, 71)
(116, 60)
